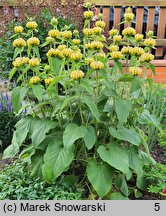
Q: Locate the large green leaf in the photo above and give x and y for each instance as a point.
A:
(72, 133)
(121, 184)
(56, 159)
(100, 176)
(117, 196)
(12, 72)
(86, 86)
(39, 129)
(38, 91)
(122, 108)
(18, 94)
(129, 135)
(135, 161)
(147, 118)
(90, 137)
(22, 130)
(92, 106)
(55, 64)
(116, 156)
(37, 162)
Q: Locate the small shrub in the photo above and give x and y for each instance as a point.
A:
(16, 183)
(157, 179)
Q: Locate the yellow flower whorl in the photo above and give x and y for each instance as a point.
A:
(66, 34)
(31, 25)
(117, 38)
(33, 41)
(48, 80)
(150, 42)
(54, 33)
(20, 61)
(34, 80)
(129, 31)
(88, 15)
(20, 42)
(76, 74)
(146, 57)
(96, 65)
(139, 37)
(116, 55)
(76, 56)
(34, 62)
(55, 53)
(113, 32)
(135, 71)
(18, 29)
(113, 48)
(100, 24)
(76, 41)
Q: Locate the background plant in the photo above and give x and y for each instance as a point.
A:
(81, 117)
(156, 176)
(17, 184)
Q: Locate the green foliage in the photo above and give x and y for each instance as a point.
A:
(156, 176)
(82, 119)
(16, 183)
(7, 127)
(162, 140)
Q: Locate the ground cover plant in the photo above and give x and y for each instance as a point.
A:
(83, 117)
(16, 183)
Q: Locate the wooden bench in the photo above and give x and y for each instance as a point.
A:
(104, 6)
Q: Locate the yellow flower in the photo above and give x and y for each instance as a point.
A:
(129, 31)
(18, 29)
(31, 25)
(125, 50)
(67, 52)
(76, 41)
(94, 45)
(87, 32)
(76, 56)
(116, 55)
(62, 47)
(50, 39)
(20, 61)
(53, 33)
(97, 30)
(66, 34)
(20, 42)
(48, 81)
(113, 32)
(34, 62)
(34, 80)
(75, 32)
(113, 48)
(138, 51)
(100, 24)
(47, 68)
(96, 65)
(101, 55)
(88, 61)
(76, 74)
(117, 38)
(139, 37)
(146, 57)
(88, 15)
(129, 16)
(55, 53)
(54, 21)
(150, 34)
(33, 41)
(135, 71)
(150, 42)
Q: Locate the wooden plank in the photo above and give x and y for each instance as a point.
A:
(106, 14)
(150, 21)
(128, 2)
(157, 63)
(97, 11)
(139, 19)
(117, 15)
(161, 29)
